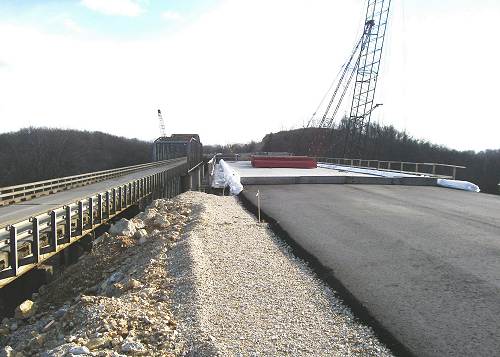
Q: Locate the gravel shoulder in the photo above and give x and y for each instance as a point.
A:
(238, 291)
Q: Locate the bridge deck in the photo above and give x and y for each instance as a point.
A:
(425, 261)
(280, 176)
(18, 211)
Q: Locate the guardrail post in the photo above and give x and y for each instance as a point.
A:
(114, 199)
(91, 212)
(99, 207)
(401, 167)
(14, 265)
(80, 217)
(67, 229)
(125, 196)
(169, 185)
(35, 245)
(198, 184)
(108, 205)
(454, 172)
(416, 167)
(433, 169)
(53, 230)
(119, 198)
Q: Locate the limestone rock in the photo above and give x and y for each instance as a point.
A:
(123, 227)
(141, 234)
(79, 350)
(99, 342)
(135, 348)
(25, 310)
(7, 351)
(161, 221)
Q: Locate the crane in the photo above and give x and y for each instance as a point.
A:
(162, 124)
(363, 66)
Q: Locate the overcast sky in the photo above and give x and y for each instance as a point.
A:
(235, 70)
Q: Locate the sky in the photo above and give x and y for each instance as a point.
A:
(235, 70)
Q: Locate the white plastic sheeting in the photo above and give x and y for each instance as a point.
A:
(456, 184)
(360, 170)
(459, 185)
(225, 176)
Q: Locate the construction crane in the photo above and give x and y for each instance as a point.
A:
(363, 66)
(162, 124)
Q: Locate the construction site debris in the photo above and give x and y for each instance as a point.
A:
(114, 301)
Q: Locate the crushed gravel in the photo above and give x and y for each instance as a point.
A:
(192, 276)
(240, 292)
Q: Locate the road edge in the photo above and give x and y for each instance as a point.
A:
(327, 276)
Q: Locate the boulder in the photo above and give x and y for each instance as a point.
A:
(141, 233)
(137, 222)
(161, 221)
(99, 342)
(7, 351)
(132, 284)
(148, 214)
(123, 227)
(133, 347)
(79, 350)
(25, 310)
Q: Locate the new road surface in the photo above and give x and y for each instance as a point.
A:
(424, 261)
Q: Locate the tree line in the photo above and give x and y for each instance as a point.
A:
(34, 154)
(388, 143)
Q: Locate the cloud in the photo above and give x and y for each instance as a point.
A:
(171, 15)
(114, 7)
(222, 71)
(72, 26)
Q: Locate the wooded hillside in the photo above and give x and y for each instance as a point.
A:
(34, 154)
(387, 143)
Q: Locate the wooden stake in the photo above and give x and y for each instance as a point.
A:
(258, 203)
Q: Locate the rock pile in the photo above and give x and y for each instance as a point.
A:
(114, 301)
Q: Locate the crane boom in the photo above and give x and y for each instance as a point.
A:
(363, 66)
(162, 124)
(367, 73)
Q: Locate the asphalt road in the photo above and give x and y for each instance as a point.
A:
(19, 211)
(424, 261)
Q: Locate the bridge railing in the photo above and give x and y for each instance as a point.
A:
(27, 191)
(417, 168)
(27, 243)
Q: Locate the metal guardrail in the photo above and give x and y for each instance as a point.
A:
(398, 166)
(27, 243)
(27, 191)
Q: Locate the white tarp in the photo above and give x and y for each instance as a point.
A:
(459, 185)
(225, 176)
(360, 170)
(456, 184)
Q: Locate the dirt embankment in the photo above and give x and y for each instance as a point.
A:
(113, 301)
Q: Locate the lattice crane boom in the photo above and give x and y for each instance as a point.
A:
(162, 124)
(363, 66)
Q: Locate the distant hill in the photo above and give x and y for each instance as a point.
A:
(34, 154)
(387, 143)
